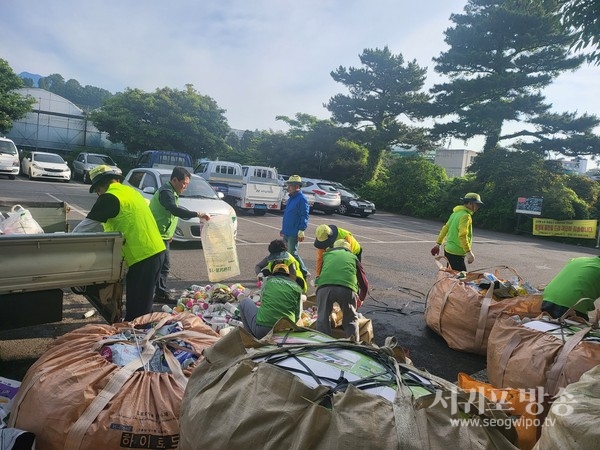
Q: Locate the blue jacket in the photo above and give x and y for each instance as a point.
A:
(295, 216)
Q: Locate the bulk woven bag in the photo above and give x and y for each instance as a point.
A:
(250, 394)
(522, 357)
(463, 316)
(74, 398)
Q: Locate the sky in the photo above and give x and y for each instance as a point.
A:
(257, 59)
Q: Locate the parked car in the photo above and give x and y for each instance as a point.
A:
(9, 158)
(352, 203)
(45, 165)
(310, 198)
(164, 159)
(327, 197)
(198, 196)
(87, 161)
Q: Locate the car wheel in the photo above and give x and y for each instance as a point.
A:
(85, 177)
(343, 209)
(29, 175)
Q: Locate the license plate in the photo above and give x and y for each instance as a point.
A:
(261, 206)
(368, 210)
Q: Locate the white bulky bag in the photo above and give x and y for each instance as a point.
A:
(19, 221)
(220, 253)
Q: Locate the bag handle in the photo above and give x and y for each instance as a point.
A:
(560, 361)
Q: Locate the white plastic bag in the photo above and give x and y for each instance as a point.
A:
(20, 221)
(220, 253)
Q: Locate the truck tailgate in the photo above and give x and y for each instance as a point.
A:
(57, 260)
(263, 193)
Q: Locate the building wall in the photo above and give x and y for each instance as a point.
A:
(454, 161)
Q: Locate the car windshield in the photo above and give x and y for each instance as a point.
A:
(198, 187)
(101, 159)
(48, 158)
(347, 193)
(8, 147)
(329, 188)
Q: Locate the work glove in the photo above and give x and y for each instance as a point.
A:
(470, 257)
(435, 250)
(300, 236)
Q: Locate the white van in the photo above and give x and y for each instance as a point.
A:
(9, 158)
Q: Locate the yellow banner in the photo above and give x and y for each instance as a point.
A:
(585, 229)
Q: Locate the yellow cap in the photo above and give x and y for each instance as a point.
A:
(99, 173)
(294, 179)
(323, 232)
(281, 268)
(342, 243)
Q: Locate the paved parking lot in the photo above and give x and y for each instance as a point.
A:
(396, 258)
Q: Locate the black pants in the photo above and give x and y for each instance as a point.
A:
(140, 281)
(456, 262)
(558, 311)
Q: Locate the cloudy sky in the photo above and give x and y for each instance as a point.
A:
(256, 58)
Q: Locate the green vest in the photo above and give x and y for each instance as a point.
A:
(280, 298)
(166, 221)
(136, 223)
(579, 278)
(453, 245)
(339, 268)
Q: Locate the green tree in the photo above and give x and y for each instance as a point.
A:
(583, 18)
(167, 119)
(13, 106)
(317, 148)
(86, 97)
(502, 54)
(384, 90)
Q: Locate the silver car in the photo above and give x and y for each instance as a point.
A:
(87, 161)
(327, 197)
(198, 196)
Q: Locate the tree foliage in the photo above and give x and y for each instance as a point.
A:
(583, 18)
(86, 97)
(13, 106)
(167, 119)
(502, 54)
(381, 92)
(313, 148)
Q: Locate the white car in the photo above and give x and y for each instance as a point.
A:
(198, 196)
(45, 165)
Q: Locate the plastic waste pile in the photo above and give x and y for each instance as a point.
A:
(502, 288)
(217, 304)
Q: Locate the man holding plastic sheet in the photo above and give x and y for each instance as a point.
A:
(167, 212)
(576, 286)
(338, 283)
(458, 232)
(121, 208)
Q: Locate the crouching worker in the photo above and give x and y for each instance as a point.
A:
(338, 283)
(278, 253)
(280, 297)
(578, 280)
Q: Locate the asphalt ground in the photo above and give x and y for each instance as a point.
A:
(395, 256)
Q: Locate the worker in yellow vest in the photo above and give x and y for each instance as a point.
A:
(121, 208)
